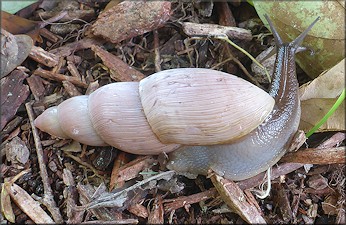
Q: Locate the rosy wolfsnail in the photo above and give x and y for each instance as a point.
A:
(213, 120)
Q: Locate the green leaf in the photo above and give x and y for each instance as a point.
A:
(14, 6)
(327, 37)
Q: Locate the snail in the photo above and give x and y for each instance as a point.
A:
(206, 119)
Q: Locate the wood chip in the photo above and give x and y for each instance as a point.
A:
(173, 204)
(138, 210)
(131, 18)
(282, 202)
(59, 77)
(130, 170)
(156, 214)
(214, 30)
(37, 87)
(13, 94)
(41, 56)
(317, 182)
(317, 156)
(120, 71)
(235, 198)
(70, 88)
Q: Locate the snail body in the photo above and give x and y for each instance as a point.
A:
(264, 146)
(213, 120)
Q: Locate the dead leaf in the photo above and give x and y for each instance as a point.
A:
(314, 109)
(327, 85)
(6, 207)
(318, 96)
(326, 38)
(19, 25)
(14, 50)
(16, 151)
(329, 205)
(74, 146)
(29, 206)
(118, 199)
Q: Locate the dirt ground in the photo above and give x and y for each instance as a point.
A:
(80, 48)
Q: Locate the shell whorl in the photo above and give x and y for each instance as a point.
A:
(190, 106)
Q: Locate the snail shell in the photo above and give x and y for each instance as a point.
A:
(186, 106)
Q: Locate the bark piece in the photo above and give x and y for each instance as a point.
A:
(37, 86)
(156, 214)
(138, 210)
(120, 71)
(130, 170)
(41, 56)
(317, 156)
(317, 182)
(173, 204)
(86, 195)
(281, 200)
(226, 17)
(13, 94)
(214, 30)
(59, 77)
(70, 88)
(235, 198)
(131, 18)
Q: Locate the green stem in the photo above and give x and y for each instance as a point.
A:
(246, 53)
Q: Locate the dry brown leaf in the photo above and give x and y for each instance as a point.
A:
(318, 96)
(19, 25)
(16, 151)
(74, 146)
(314, 109)
(14, 50)
(328, 85)
(29, 206)
(329, 205)
(6, 207)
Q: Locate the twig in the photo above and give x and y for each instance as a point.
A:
(48, 198)
(176, 203)
(317, 156)
(77, 159)
(53, 19)
(286, 168)
(241, 66)
(59, 77)
(157, 51)
(41, 56)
